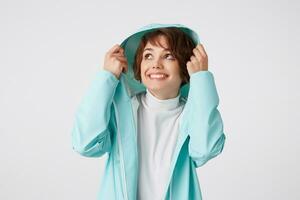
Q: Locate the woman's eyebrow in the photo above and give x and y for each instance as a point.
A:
(150, 49)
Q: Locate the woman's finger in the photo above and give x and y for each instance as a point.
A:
(197, 53)
(121, 58)
(201, 50)
(114, 49)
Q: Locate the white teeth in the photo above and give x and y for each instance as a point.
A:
(157, 75)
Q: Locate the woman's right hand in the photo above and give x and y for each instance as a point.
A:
(115, 61)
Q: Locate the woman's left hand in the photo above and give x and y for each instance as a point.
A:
(198, 61)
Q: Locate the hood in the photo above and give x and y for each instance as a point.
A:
(130, 45)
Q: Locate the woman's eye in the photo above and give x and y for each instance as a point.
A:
(170, 56)
(146, 55)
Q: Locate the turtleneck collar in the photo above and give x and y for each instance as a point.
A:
(153, 102)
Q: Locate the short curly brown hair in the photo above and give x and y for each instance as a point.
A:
(180, 44)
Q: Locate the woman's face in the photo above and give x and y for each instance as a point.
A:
(160, 70)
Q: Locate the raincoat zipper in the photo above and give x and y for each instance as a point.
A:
(124, 186)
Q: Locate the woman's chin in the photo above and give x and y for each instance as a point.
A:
(155, 85)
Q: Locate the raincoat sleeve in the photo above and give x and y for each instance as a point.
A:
(91, 133)
(202, 120)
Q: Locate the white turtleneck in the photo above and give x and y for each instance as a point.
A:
(158, 124)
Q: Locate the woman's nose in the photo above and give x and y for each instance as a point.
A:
(157, 64)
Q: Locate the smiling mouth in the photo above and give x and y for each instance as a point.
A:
(157, 76)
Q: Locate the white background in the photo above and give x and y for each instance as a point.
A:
(51, 50)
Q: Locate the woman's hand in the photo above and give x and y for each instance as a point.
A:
(198, 61)
(115, 61)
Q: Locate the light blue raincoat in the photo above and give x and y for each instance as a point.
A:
(106, 122)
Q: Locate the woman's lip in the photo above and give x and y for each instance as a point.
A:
(158, 74)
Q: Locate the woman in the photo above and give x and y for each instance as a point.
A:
(153, 109)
